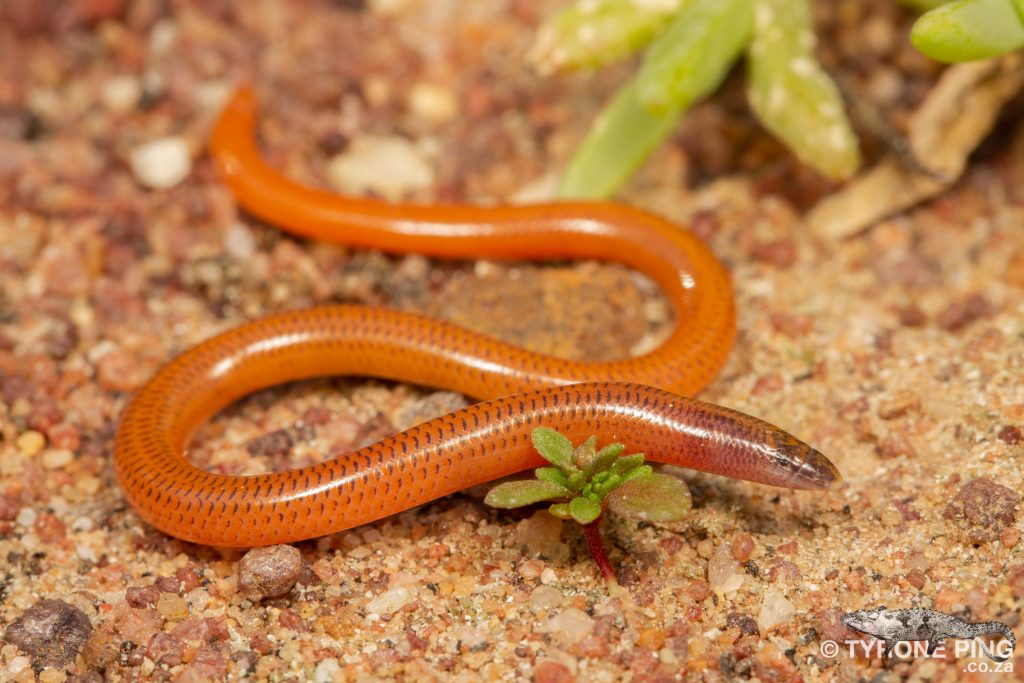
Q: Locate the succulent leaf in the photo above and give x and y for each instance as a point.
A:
(653, 498)
(584, 510)
(965, 30)
(692, 56)
(637, 472)
(552, 475)
(627, 463)
(577, 480)
(515, 494)
(792, 95)
(619, 141)
(593, 33)
(555, 448)
(585, 454)
(560, 510)
(606, 457)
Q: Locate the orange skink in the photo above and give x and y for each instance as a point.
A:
(640, 402)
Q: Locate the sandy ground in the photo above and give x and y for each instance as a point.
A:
(899, 353)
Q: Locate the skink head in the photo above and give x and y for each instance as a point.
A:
(805, 467)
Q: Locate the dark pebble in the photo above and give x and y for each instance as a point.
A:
(1010, 434)
(780, 253)
(744, 622)
(269, 572)
(18, 123)
(981, 510)
(144, 596)
(963, 312)
(165, 649)
(911, 316)
(167, 584)
(51, 631)
(188, 578)
(277, 443)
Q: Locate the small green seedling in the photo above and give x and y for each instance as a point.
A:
(584, 482)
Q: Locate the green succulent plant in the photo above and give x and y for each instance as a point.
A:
(584, 482)
(691, 45)
(966, 30)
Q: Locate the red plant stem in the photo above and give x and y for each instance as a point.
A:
(592, 532)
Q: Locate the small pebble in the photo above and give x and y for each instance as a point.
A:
(742, 547)
(387, 166)
(981, 510)
(269, 572)
(51, 631)
(433, 103)
(829, 625)
(545, 597)
(30, 443)
(652, 638)
(19, 664)
(141, 596)
(171, 606)
(724, 573)
(430, 406)
(211, 96)
(26, 517)
(137, 625)
(64, 436)
(161, 164)
(49, 528)
(275, 444)
(56, 458)
(743, 622)
(88, 485)
(326, 671)
(775, 609)
(239, 241)
(541, 533)
(962, 312)
(119, 370)
(916, 578)
(390, 601)
(1010, 435)
(570, 625)
(471, 638)
(121, 94)
(531, 569)
(548, 671)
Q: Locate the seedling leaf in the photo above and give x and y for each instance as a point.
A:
(652, 498)
(552, 475)
(515, 494)
(560, 510)
(636, 473)
(626, 463)
(585, 454)
(554, 448)
(606, 457)
(584, 510)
